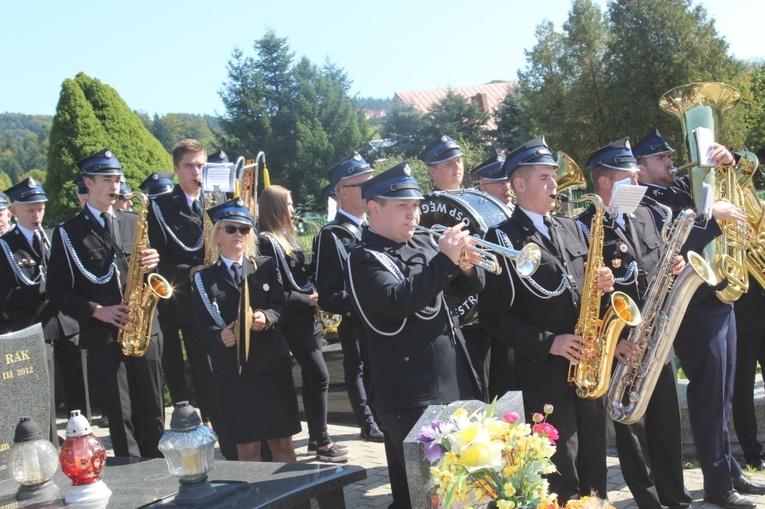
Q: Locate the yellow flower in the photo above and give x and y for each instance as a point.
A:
(509, 490)
(505, 504)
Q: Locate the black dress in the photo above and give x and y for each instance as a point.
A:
(260, 402)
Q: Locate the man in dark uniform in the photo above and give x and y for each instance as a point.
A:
(447, 169)
(400, 283)
(650, 451)
(492, 180)
(23, 270)
(706, 340)
(86, 279)
(6, 318)
(82, 190)
(537, 316)
(330, 252)
(176, 227)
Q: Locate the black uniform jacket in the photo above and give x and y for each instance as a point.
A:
(70, 290)
(426, 362)
(173, 231)
(678, 197)
(292, 268)
(516, 315)
(330, 264)
(23, 299)
(268, 349)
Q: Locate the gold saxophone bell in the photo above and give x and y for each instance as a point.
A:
(526, 259)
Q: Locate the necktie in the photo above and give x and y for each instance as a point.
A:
(36, 243)
(550, 228)
(107, 223)
(196, 208)
(236, 270)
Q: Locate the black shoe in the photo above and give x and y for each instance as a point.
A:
(728, 499)
(104, 422)
(758, 464)
(372, 433)
(744, 485)
(313, 447)
(333, 454)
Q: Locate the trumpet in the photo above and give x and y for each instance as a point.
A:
(526, 260)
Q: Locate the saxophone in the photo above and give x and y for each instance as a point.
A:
(141, 297)
(591, 375)
(702, 105)
(663, 311)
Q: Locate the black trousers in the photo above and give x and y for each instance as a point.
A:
(502, 374)
(580, 456)
(304, 340)
(173, 365)
(650, 451)
(750, 349)
(356, 380)
(72, 368)
(396, 426)
(478, 343)
(131, 390)
(706, 347)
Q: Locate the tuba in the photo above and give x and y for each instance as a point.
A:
(755, 216)
(591, 375)
(702, 105)
(141, 297)
(569, 178)
(247, 181)
(663, 311)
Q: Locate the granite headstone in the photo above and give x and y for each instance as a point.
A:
(418, 468)
(24, 387)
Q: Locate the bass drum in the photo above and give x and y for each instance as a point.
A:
(478, 210)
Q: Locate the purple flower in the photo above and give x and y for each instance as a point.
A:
(430, 433)
(433, 451)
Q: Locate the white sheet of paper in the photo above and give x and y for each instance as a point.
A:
(704, 139)
(707, 200)
(625, 197)
(218, 175)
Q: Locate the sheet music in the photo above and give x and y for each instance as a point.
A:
(707, 200)
(625, 197)
(704, 140)
(218, 175)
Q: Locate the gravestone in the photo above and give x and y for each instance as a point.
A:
(418, 467)
(24, 389)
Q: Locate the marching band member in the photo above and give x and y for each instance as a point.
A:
(176, 232)
(23, 271)
(650, 451)
(82, 190)
(277, 239)
(706, 340)
(6, 317)
(254, 389)
(447, 169)
(330, 252)
(400, 284)
(493, 181)
(123, 197)
(537, 316)
(89, 260)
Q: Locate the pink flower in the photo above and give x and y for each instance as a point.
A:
(511, 417)
(548, 409)
(537, 417)
(546, 429)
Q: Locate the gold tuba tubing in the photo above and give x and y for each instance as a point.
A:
(141, 297)
(702, 105)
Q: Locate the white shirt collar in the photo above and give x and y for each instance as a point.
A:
(538, 220)
(190, 199)
(228, 261)
(27, 233)
(97, 213)
(357, 220)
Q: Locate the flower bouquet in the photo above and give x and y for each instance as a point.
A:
(481, 460)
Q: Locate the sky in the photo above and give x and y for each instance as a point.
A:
(169, 56)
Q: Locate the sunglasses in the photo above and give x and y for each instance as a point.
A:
(230, 229)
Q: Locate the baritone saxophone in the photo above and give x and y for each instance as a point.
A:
(141, 297)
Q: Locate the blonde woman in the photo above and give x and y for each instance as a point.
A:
(254, 390)
(304, 336)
